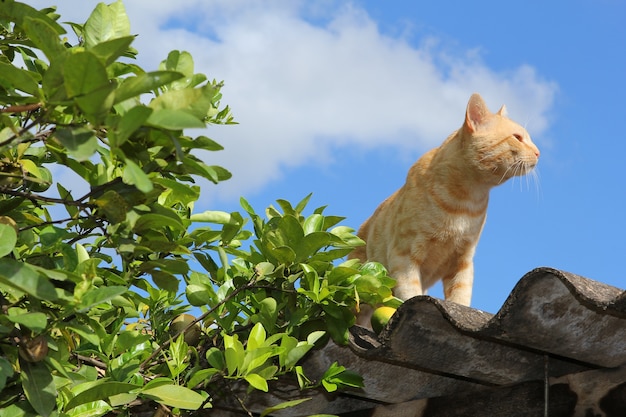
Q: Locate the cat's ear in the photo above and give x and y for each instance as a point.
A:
(502, 111)
(476, 113)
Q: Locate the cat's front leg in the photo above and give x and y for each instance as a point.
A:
(458, 286)
(408, 281)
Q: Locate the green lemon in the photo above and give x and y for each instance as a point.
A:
(380, 317)
(192, 335)
(8, 220)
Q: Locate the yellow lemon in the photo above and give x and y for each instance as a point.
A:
(380, 317)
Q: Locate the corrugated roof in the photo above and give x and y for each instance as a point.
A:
(559, 339)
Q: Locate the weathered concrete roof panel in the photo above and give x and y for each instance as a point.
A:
(563, 314)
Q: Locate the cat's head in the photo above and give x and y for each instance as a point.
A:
(496, 146)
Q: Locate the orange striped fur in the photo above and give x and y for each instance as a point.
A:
(428, 229)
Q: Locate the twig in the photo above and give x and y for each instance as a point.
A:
(69, 219)
(20, 108)
(32, 197)
(239, 400)
(91, 361)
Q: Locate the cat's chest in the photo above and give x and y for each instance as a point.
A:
(459, 227)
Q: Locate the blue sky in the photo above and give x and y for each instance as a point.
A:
(338, 99)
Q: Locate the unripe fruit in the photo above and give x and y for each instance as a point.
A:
(192, 335)
(9, 221)
(380, 317)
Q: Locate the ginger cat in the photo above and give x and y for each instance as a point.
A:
(428, 229)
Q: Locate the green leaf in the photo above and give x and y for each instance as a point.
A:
(202, 375)
(132, 120)
(13, 77)
(110, 50)
(202, 142)
(45, 37)
(113, 205)
(165, 281)
(212, 173)
(134, 175)
(8, 239)
(268, 312)
(313, 223)
(92, 409)
(282, 406)
(174, 120)
(302, 204)
(211, 216)
(144, 83)
(234, 353)
(336, 376)
(289, 232)
(215, 357)
(283, 254)
(17, 12)
(6, 371)
(100, 295)
(101, 390)
(296, 353)
(85, 332)
(105, 23)
(195, 101)
(177, 192)
(96, 104)
(181, 62)
(175, 396)
(152, 221)
(257, 337)
(85, 79)
(257, 382)
(20, 276)
(84, 73)
(80, 142)
(39, 387)
(34, 321)
(312, 243)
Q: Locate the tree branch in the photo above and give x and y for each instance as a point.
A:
(91, 361)
(20, 108)
(31, 196)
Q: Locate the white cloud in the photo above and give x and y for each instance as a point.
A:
(298, 89)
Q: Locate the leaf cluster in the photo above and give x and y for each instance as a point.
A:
(101, 249)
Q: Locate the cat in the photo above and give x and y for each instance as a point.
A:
(428, 229)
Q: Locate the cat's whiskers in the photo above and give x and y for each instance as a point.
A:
(524, 168)
(535, 175)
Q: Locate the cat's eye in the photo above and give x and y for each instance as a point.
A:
(518, 137)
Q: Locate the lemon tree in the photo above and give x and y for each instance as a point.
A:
(101, 247)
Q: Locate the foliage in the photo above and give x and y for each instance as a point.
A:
(100, 248)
